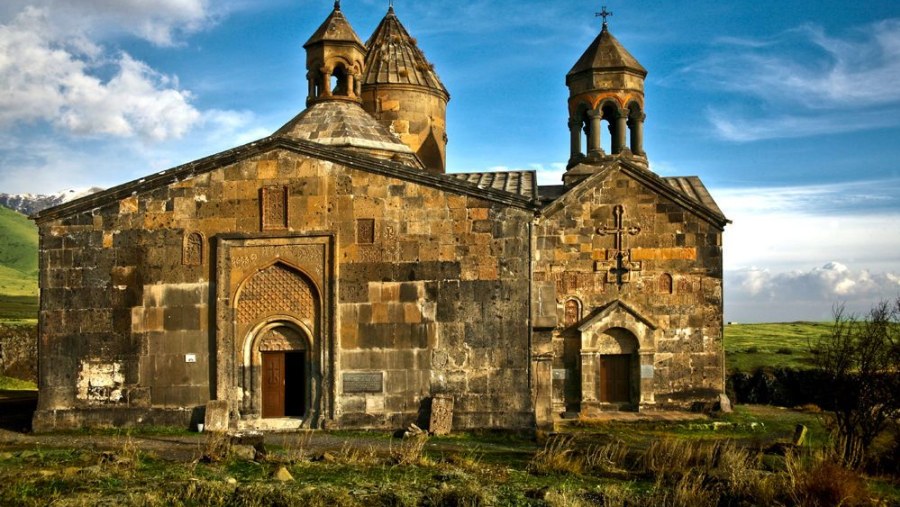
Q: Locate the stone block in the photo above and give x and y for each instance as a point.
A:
(440, 421)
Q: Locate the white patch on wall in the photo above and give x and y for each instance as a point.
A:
(100, 382)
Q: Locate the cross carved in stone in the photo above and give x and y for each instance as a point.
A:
(618, 264)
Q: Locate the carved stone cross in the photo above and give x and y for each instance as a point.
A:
(618, 264)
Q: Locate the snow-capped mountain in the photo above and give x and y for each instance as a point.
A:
(28, 204)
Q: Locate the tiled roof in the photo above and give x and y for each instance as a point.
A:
(394, 58)
(692, 187)
(515, 182)
(342, 123)
(607, 53)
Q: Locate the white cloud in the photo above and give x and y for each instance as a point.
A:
(50, 77)
(159, 21)
(805, 82)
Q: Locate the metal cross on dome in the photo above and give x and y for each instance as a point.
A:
(604, 14)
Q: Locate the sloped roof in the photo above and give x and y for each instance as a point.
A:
(607, 53)
(516, 182)
(348, 158)
(394, 58)
(345, 123)
(692, 187)
(687, 191)
(335, 28)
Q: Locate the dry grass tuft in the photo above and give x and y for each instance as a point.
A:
(557, 457)
(411, 450)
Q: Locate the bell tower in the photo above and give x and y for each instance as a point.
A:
(606, 85)
(335, 59)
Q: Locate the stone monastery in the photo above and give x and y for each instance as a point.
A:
(333, 275)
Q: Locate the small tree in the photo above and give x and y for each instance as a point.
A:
(860, 361)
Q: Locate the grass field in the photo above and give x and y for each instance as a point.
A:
(18, 266)
(751, 346)
(725, 461)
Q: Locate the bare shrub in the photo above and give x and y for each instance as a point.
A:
(557, 457)
(860, 360)
(824, 483)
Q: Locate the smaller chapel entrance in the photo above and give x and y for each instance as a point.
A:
(284, 384)
(615, 378)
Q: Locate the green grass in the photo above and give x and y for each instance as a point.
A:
(18, 254)
(457, 470)
(751, 346)
(14, 384)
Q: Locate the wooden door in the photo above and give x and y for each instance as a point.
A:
(273, 384)
(615, 378)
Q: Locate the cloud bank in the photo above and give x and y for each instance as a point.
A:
(762, 295)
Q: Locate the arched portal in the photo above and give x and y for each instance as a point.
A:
(277, 312)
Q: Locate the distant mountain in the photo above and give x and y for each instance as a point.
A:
(29, 204)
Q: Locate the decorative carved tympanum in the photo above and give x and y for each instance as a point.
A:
(276, 290)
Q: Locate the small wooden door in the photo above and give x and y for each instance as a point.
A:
(273, 384)
(615, 378)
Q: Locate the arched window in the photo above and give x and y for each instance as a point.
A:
(573, 312)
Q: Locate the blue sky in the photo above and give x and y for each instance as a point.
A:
(788, 110)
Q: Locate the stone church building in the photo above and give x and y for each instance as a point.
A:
(333, 275)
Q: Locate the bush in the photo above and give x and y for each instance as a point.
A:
(825, 483)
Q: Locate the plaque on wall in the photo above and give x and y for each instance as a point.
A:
(560, 374)
(646, 371)
(364, 382)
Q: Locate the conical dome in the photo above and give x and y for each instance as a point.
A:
(607, 54)
(394, 58)
(335, 28)
(402, 91)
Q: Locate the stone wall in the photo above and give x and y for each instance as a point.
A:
(427, 292)
(18, 351)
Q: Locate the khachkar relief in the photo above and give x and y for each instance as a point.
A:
(273, 208)
(618, 264)
(192, 254)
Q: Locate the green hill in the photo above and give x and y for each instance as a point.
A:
(18, 266)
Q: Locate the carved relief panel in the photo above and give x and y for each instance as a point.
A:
(274, 208)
